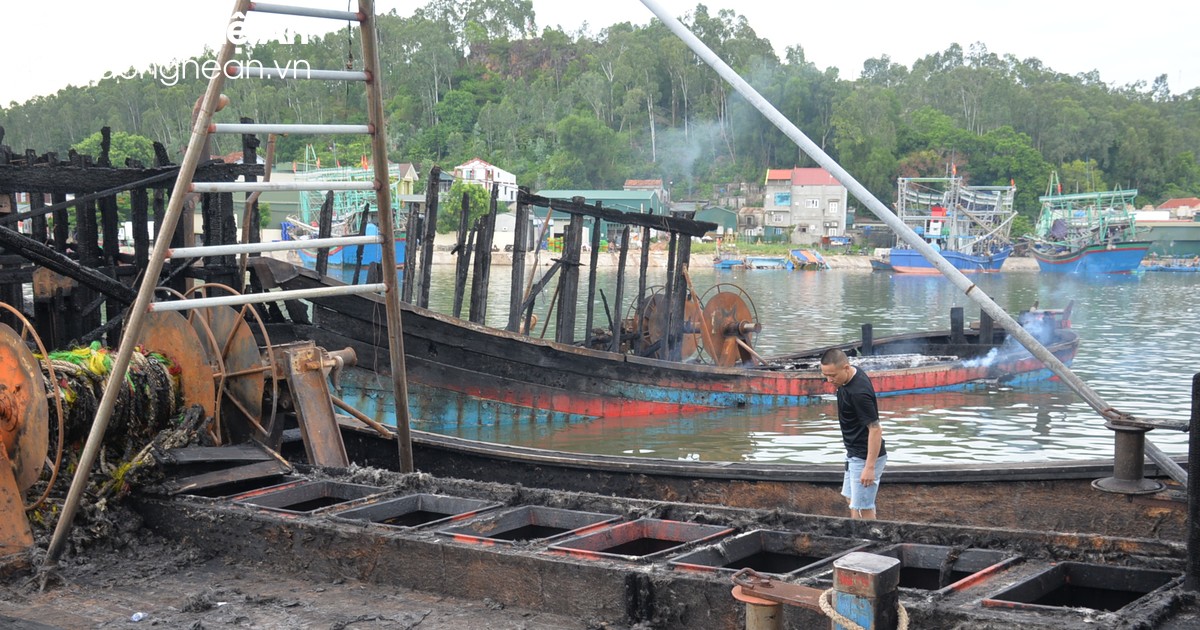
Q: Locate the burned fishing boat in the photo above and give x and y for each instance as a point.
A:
(663, 563)
(681, 352)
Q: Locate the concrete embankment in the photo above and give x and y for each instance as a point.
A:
(659, 259)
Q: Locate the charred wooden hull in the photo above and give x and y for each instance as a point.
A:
(462, 374)
(1041, 496)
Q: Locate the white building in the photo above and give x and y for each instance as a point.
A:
(479, 172)
(806, 204)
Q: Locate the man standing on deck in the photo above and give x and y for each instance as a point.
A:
(858, 415)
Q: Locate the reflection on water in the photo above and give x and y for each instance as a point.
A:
(1136, 332)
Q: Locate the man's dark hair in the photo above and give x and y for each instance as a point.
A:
(833, 356)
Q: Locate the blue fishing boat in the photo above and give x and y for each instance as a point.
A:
(343, 261)
(1092, 232)
(970, 225)
(769, 262)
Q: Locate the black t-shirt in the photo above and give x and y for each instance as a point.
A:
(857, 411)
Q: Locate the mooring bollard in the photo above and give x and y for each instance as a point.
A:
(1129, 463)
(761, 614)
(867, 590)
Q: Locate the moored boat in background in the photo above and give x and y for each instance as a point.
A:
(465, 374)
(970, 225)
(1093, 232)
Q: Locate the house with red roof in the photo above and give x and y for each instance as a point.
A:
(1181, 208)
(650, 185)
(803, 205)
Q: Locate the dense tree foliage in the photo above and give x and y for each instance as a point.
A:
(475, 78)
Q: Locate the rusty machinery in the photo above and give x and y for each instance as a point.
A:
(719, 326)
(218, 366)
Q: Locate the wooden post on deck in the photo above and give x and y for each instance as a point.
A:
(139, 215)
(520, 236)
(679, 299)
(483, 261)
(431, 232)
(364, 218)
(324, 230)
(868, 340)
(618, 316)
(595, 258)
(867, 590)
(641, 294)
(666, 307)
(410, 251)
(956, 326)
(986, 335)
(462, 262)
(62, 228)
(568, 282)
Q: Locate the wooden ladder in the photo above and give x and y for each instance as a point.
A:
(184, 184)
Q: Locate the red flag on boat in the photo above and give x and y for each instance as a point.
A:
(953, 169)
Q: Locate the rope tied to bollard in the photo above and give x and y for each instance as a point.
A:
(826, 603)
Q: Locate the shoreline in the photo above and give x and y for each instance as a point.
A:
(658, 258)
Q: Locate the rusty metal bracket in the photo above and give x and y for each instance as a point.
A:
(303, 365)
(763, 587)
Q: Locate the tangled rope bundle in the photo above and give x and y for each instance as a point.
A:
(148, 400)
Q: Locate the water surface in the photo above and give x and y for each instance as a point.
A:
(1137, 351)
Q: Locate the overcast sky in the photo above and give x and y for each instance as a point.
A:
(50, 44)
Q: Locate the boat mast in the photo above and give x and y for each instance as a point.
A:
(906, 234)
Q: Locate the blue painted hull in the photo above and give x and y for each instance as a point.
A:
(348, 255)
(1094, 259)
(911, 261)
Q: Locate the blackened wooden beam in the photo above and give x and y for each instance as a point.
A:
(250, 215)
(641, 294)
(472, 234)
(594, 261)
(620, 296)
(324, 230)
(576, 206)
(62, 224)
(430, 234)
(461, 252)
(87, 236)
(527, 305)
(105, 145)
(568, 287)
(59, 263)
(362, 231)
(139, 202)
(520, 236)
(679, 300)
(483, 262)
(410, 254)
(956, 326)
(111, 225)
(102, 182)
(666, 308)
(986, 329)
(38, 231)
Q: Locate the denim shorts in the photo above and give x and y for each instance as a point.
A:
(861, 498)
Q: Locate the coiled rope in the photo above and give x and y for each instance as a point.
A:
(825, 601)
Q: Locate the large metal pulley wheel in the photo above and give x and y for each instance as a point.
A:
(733, 319)
(24, 408)
(232, 375)
(24, 432)
(654, 325)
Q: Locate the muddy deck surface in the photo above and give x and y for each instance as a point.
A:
(178, 587)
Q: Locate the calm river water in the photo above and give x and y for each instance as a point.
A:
(1137, 352)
